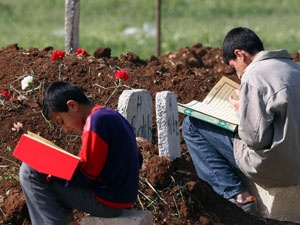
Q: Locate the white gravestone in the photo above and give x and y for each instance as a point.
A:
(167, 124)
(136, 106)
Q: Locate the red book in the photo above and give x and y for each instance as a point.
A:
(45, 157)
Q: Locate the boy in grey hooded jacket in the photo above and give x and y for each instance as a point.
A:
(266, 146)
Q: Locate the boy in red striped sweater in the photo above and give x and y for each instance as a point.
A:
(106, 180)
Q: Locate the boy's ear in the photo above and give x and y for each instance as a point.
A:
(238, 53)
(72, 105)
(242, 55)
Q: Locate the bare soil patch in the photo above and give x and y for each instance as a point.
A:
(170, 189)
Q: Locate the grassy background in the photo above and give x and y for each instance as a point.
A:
(129, 25)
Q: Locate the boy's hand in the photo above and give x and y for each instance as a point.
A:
(234, 100)
(49, 178)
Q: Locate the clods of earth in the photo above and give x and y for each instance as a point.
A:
(171, 190)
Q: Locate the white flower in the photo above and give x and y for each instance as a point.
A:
(26, 81)
(17, 126)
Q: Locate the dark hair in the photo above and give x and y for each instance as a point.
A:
(243, 39)
(57, 95)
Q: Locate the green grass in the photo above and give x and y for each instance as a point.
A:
(36, 23)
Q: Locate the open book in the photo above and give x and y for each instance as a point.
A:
(215, 108)
(44, 156)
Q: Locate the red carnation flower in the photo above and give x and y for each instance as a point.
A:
(6, 94)
(121, 74)
(81, 51)
(58, 54)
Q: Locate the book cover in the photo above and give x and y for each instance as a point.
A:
(215, 108)
(45, 156)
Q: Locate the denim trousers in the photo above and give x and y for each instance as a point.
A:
(50, 203)
(211, 150)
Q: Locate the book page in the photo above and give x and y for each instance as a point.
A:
(221, 91)
(40, 138)
(216, 102)
(47, 142)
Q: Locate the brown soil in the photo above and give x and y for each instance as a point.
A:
(170, 189)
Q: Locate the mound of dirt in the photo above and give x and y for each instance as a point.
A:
(170, 189)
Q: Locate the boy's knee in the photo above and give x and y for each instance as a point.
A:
(24, 173)
(185, 125)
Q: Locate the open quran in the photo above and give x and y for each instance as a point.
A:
(215, 108)
(45, 157)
